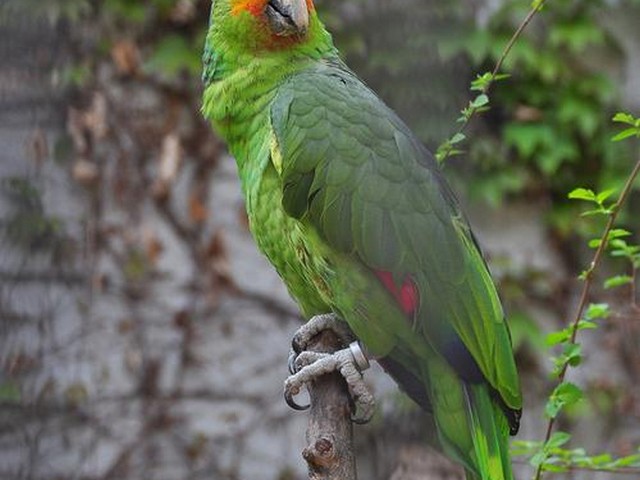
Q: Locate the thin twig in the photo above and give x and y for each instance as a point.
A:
(496, 70)
(512, 42)
(586, 288)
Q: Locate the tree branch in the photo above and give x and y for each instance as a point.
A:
(329, 451)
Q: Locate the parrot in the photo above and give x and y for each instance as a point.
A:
(358, 220)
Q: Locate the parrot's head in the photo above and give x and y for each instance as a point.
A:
(264, 25)
(279, 18)
(274, 23)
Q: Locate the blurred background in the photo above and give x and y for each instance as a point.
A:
(141, 334)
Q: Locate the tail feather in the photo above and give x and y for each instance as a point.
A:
(489, 433)
(472, 428)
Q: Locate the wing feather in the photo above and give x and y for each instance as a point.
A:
(352, 169)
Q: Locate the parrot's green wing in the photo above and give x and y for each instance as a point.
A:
(351, 168)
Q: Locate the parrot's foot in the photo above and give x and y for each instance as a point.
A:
(350, 362)
(313, 327)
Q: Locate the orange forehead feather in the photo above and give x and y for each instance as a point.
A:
(256, 7)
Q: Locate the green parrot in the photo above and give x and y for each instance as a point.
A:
(356, 217)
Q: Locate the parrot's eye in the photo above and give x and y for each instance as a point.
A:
(287, 17)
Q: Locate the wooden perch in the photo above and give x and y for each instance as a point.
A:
(329, 451)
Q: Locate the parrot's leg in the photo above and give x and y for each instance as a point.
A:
(350, 362)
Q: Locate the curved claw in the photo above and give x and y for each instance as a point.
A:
(291, 362)
(361, 420)
(360, 416)
(296, 346)
(288, 397)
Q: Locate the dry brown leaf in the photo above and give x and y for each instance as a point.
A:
(197, 447)
(184, 11)
(198, 211)
(217, 247)
(153, 247)
(76, 130)
(20, 363)
(37, 146)
(125, 326)
(170, 161)
(219, 260)
(126, 57)
(84, 172)
(170, 158)
(526, 113)
(95, 119)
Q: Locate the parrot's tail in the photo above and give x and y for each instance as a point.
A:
(489, 434)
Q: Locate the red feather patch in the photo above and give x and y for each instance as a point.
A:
(406, 294)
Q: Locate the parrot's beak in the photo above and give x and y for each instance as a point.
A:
(288, 17)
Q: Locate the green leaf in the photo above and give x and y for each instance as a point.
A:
(583, 194)
(573, 354)
(597, 310)
(602, 196)
(618, 281)
(524, 447)
(613, 234)
(622, 117)
(555, 338)
(597, 211)
(601, 459)
(630, 461)
(558, 439)
(552, 408)
(173, 55)
(568, 392)
(594, 243)
(620, 244)
(480, 101)
(134, 12)
(457, 138)
(501, 76)
(626, 133)
(537, 5)
(565, 394)
(537, 141)
(587, 325)
(482, 82)
(576, 35)
(9, 392)
(550, 467)
(538, 459)
(618, 232)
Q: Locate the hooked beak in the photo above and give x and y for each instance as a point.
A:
(288, 17)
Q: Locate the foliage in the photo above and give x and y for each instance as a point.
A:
(27, 226)
(548, 125)
(557, 459)
(158, 40)
(551, 122)
(548, 455)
